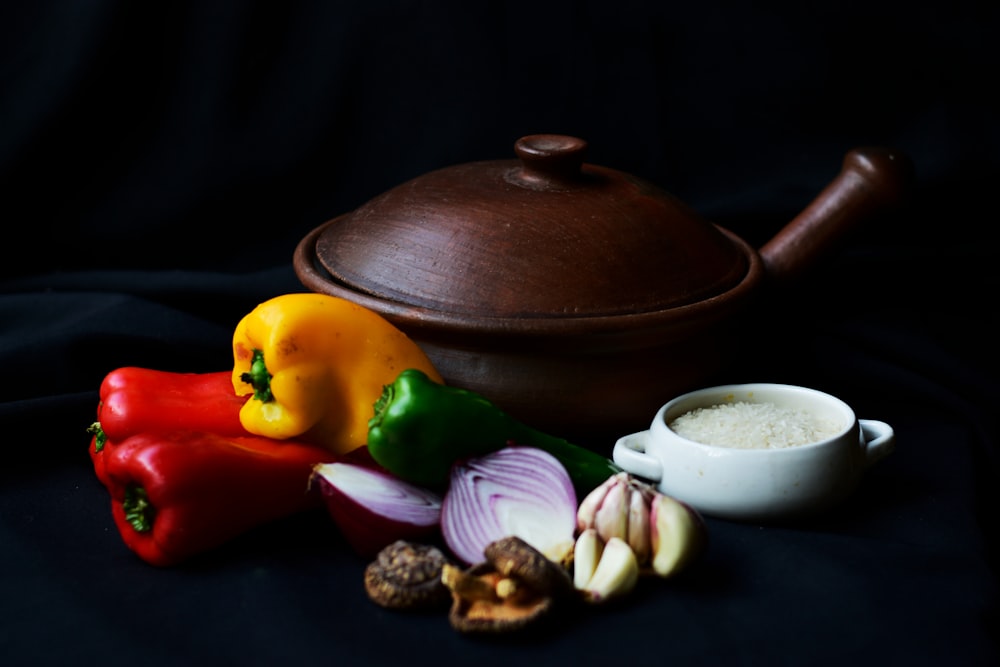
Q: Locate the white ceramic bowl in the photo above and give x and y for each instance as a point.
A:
(756, 483)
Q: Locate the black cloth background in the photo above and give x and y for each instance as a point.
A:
(160, 161)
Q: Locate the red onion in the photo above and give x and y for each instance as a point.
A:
(373, 508)
(515, 491)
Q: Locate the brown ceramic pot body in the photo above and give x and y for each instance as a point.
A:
(575, 297)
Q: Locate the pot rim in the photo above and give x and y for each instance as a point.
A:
(417, 321)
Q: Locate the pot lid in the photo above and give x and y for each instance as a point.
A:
(544, 235)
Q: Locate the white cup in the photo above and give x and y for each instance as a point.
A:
(756, 483)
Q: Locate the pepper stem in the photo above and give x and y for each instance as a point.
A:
(100, 437)
(139, 512)
(382, 404)
(259, 378)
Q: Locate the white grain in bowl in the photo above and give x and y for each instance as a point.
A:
(746, 425)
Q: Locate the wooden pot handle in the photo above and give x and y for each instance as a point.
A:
(871, 181)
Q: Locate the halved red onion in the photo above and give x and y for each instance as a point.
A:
(515, 491)
(373, 508)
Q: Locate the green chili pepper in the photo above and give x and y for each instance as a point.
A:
(421, 428)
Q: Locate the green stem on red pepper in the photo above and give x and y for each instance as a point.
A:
(100, 437)
(138, 510)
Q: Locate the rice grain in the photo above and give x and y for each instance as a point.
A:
(748, 425)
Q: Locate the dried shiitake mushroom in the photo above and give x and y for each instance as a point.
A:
(405, 575)
(516, 587)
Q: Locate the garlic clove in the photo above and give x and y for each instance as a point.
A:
(611, 518)
(677, 534)
(639, 528)
(586, 555)
(588, 506)
(617, 573)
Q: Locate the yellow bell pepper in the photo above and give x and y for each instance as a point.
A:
(316, 365)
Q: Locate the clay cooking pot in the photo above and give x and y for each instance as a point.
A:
(576, 297)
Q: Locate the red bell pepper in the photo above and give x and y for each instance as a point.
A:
(97, 456)
(176, 494)
(141, 400)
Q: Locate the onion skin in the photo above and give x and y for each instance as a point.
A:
(373, 509)
(515, 491)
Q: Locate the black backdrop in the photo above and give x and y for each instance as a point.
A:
(159, 162)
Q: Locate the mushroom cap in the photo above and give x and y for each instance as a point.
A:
(532, 585)
(513, 557)
(478, 614)
(406, 575)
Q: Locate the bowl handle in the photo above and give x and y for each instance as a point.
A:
(630, 454)
(879, 440)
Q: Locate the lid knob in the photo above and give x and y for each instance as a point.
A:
(548, 161)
